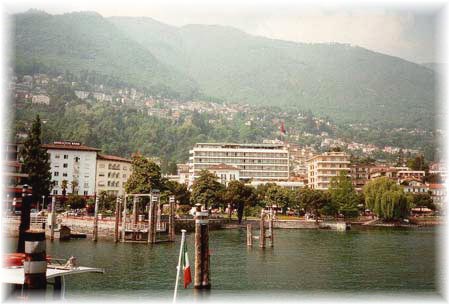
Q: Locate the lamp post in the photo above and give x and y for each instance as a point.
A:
(43, 202)
(7, 204)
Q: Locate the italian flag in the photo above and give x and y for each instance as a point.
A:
(186, 266)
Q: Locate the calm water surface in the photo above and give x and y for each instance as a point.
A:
(385, 260)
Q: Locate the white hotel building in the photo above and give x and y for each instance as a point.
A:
(257, 162)
(72, 161)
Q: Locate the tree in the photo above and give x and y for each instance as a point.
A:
(279, 196)
(386, 199)
(36, 162)
(313, 201)
(106, 201)
(239, 196)
(421, 201)
(180, 191)
(76, 201)
(64, 187)
(145, 177)
(417, 163)
(74, 187)
(206, 190)
(343, 195)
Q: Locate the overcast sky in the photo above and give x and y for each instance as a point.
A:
(404, 30)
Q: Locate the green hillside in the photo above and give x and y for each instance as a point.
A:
(87, 41)
(342, 81)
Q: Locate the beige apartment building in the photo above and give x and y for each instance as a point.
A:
(112, 174)
(322, 168)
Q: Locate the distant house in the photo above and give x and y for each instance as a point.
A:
(82, 94)
(438, 194)
(40, 99)
(225, 173)
(415, 186)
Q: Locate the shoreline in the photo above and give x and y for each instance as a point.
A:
(106, 226)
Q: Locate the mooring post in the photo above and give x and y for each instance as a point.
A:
(154, 215)
(262, 231)
(171, 218)
(249, 235)
(152, 219)
(201, 277)
(24, 219)
(134, 216)
(124, 217)
(35, 264)
(53, 219)
(271, 226)
(116, 223)
(95, 233)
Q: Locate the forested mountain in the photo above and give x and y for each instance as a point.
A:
(87, 41)
(338, 80)
(344, 82)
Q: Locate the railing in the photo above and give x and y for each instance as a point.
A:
(35, 221)
(161, 227)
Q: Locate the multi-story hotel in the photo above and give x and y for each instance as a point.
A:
(112, 174)
(74, 163)
(322, 168)
(259, 162)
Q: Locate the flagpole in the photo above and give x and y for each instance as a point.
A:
(183, 237)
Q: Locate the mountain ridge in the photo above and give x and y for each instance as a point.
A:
(346, 82)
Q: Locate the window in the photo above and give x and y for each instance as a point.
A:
(102, 165)
(56, 156)
(124, 175)
(77, 159)
(85, 193)
(86, 185)
(101, 174)
(55, 183)
(64, 174)
(64, 165)
(56, 174)
(55, 192)
(66, 156)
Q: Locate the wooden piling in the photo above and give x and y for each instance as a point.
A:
(262, 231)
(134, 215)
(201, 276)
(95, 233)
(171, 218)
(53, 219)
(24, 219)
(35, 263)
(152, 220)
(249, 235)
(271, 227)
(117, 219)
(155, 218)
(124, 218)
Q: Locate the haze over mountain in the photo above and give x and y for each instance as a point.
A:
(342, 81)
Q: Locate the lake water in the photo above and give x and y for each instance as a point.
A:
(387, 261)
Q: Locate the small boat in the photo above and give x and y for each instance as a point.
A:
(13, 274)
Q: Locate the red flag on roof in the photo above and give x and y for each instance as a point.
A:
(282, 129)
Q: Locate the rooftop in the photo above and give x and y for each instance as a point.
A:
(112, 158)
(237, 145)
(66, 145)
(223, 166)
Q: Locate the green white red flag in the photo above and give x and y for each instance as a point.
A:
(186, 266)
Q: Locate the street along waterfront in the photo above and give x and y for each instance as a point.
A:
(376, 260)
